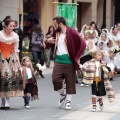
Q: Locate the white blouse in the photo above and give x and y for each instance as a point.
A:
(12, 39)
(29, 73)
(97, 64)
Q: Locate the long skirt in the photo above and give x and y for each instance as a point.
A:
(11, 81)
(98, 90)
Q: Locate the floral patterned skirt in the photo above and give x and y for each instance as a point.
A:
(10, 77)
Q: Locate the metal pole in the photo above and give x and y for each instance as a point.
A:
(104, 14)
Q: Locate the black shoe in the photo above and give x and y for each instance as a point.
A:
(7, 108)
(40, 73)
(2, 108)
(111, 79)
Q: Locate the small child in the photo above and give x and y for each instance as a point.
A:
(96, 74)
(27, 72)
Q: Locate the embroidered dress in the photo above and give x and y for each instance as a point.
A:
(10, 71)
(88, 70)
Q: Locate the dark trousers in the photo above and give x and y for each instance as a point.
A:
(61, 72)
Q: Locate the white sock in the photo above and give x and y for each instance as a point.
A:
(69, 97)
(3, 102)
(61, 91)
(7, 102)
(64, 86)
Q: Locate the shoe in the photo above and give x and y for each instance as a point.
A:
(94, 108)
(62, 100)
(87, 85)
(83, 84)
(7, 108)
(100, 103)
(68, 105)
(27, 106)
(40, 73)
(2, 108)
(111, 79)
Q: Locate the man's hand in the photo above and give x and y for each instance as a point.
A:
(51, 40)
(78, 62)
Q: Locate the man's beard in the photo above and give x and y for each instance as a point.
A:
(58, 29)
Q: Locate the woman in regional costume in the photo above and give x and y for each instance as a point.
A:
(11, 83)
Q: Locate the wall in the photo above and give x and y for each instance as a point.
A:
(100, 13)
(108, 14)
(89, 11)
(11, 8)
(47, 11)
(86, 13)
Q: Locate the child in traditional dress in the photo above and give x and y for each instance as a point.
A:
(96, 74)
(27, 72)
(111, 64)
(103, 38)
(90, 47)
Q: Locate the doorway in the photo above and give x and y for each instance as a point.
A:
(83, 14)
(117, 11)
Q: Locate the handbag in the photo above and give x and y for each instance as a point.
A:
(34, 94)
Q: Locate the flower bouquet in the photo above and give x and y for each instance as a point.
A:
(38, 69)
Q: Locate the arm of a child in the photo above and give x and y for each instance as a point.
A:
(84, 66)
(90, 45)
(32, 69)
(24, 77)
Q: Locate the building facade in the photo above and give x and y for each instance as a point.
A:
(87, 11)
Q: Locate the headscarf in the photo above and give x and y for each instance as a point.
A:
(83, 30)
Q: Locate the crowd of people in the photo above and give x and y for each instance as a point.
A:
(108, 42)
(93, 53)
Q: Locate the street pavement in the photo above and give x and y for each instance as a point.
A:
(46, 107)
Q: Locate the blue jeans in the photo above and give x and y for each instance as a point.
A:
(36, 56)
(49, 52)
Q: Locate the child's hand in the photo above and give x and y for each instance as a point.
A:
(31, 65)
(103, 63)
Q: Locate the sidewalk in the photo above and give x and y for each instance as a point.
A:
(111, 111)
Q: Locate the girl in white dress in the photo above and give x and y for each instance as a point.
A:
(115, 36)
(102, 48)
(103, 38)
(84, 28)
